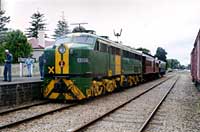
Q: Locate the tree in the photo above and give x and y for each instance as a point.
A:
(173, 64)
(3, 21)
(37, 24)
(161, 54)
(2, 53)
(144, 50)
(3, 30)
(17, 44)
(62, 28)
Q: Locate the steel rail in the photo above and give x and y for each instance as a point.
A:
(23, 107)
(145, 124)
(79, 128)
(36, 116)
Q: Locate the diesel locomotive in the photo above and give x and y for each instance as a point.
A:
(83, 65)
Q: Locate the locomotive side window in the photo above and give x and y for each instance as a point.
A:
(137, 57)
(132, 55)
(117, 51)
(126, 54)
(112, 50)
(100, 46)
(96, 46)
(103, 47)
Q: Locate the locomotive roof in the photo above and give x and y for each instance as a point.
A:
(109, 42)
(148, 55)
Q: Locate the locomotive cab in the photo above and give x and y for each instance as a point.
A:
(68, 66)
(69, 55)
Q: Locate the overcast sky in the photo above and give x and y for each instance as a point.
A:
(171, 24)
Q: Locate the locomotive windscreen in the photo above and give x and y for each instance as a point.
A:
(83, 39)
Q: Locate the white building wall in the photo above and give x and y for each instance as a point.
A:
(37, 53)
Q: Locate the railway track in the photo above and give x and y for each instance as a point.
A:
(90, 123)
(22, 107)
(4, 124)
(65, 106)
(150, 117)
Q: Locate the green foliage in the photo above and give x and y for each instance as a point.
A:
(62, 29)
(3, 31)
(3, 21)
(37, 24)
(173, 64)
(144, 50)
(161, 54)
(17, 44)
(2, 54)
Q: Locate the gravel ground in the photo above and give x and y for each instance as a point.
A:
(181, 110)
(76, 116)
(131, 117)
(25, 113)
(4, 108)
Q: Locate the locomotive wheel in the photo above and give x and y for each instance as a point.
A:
(130, 81)
(109, 85)
(122, 78)
(97, 88)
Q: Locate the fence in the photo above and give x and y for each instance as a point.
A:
(16, 70)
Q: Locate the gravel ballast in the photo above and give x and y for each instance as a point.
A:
(76, 116)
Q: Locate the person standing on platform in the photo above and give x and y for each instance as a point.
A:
(41, 66)
(29, 64)
(7, 66)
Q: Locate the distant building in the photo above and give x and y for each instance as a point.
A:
(40, 44)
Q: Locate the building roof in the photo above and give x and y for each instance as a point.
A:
(35, 43)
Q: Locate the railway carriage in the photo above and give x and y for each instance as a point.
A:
(84, 65)
(195, 61)
(162, 67)
(150, 66)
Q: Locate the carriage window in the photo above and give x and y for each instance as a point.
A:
(148, 63)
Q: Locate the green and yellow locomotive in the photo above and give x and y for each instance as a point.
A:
(83, 65)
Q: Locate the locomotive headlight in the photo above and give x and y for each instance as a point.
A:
(62, 49)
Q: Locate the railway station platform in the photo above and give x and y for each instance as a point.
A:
(17, 79)
(21, 90)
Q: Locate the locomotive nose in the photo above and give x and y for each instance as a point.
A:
(62, 59)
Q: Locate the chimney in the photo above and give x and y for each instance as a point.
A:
(41, 40)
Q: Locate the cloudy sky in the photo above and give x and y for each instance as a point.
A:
(171, 24)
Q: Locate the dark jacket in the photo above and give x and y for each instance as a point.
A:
(9, 58)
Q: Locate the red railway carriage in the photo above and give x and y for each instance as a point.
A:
(195, 60)
(150, 66)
